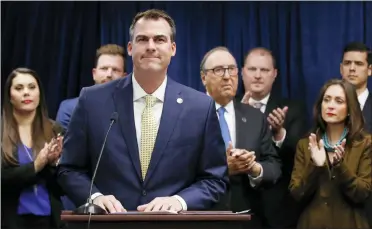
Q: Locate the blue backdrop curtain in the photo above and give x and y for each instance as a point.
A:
(59, 39)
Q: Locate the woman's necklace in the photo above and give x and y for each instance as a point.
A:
(329, 146)
(29, 156)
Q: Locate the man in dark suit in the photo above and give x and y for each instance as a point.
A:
(110, 65)
(252, 160)
(165, 152)
(287, 120)
(355, 67)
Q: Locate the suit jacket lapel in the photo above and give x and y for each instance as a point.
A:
(123, 99)
(271, 105)
(172, 108)
(240, 120)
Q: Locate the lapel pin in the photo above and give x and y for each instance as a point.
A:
(179, 100)
(244, 119)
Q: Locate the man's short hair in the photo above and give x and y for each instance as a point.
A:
(263, 51)
(110, 49)
(153, 14)
(206, 56)
(358, 47)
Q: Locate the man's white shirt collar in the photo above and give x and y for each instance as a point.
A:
(263, 101)
(229, 107)
(362, 98)
(138, 92)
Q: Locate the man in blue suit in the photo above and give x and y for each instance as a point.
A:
(110, 65)
(165, 152)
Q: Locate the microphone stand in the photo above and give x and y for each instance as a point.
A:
(89, 208)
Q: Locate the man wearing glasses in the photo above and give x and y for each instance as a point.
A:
(252, 159)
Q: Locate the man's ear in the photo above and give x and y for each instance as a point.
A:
(275, 73)
(129, 48)
(341, 69)
(202, 76)
(94, 73)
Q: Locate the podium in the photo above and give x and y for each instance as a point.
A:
(140, 220)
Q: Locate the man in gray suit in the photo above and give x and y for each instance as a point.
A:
(252, 159)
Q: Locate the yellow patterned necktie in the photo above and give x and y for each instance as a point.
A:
(149, 129)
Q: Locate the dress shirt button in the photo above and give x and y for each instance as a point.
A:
(144, 193)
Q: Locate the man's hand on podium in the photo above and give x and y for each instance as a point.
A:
(162, 204)
(110, 203)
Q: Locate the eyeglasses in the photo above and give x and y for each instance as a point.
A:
(220, 71)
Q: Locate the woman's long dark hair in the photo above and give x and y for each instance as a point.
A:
(354, 121)
(42, 127)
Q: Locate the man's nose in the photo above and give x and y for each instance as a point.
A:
(109, 73)
(151, 45)
(226, 74)
(257, 74)
(352, 66)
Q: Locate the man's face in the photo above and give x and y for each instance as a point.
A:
(220, 75)
(109, 67)
(258, 73)
(354, 68)
(151, 48)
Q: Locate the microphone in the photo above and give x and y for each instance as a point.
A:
(89, 208)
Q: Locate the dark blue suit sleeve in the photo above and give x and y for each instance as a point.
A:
(74, 172)
(63, 115)
(212, 175)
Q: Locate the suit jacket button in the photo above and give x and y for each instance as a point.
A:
(144, 193)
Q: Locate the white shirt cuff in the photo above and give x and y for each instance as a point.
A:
(182, 201)
(280, 142)
(95, 195)
(254, 181)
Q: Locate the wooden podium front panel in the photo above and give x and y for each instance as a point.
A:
(134, 220)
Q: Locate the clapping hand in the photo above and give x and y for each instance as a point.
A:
(276, 118)
(49, 154)
(241, 161)
(318, 154)
(338, 154)
(55, 150)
